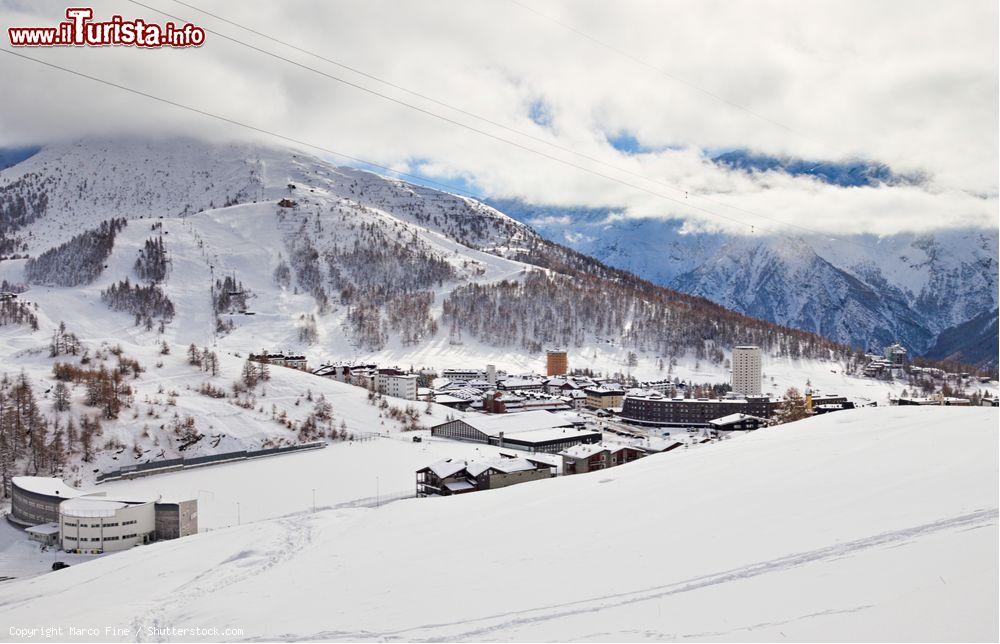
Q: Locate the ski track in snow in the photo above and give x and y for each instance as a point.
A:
(500, 622)
(297, 534)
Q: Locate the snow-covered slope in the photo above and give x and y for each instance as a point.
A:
(871, 290)
(360, 265)
(974, 342)
(875, 524)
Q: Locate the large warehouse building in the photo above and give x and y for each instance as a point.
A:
(531, 431)
(90, 521)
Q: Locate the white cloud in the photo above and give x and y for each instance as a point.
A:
(910, 84)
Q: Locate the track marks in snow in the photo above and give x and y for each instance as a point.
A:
(488, 626)
(296, 534)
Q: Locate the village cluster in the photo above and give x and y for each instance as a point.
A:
(564, 419)
(559, 423)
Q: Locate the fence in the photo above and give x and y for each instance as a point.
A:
(174, 464)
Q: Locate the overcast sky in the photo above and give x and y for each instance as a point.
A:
(909, 84)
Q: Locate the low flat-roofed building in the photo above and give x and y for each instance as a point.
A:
(35, 499)
(176, 519)
(96, 524)
(282, 360)
(533, 431)
(45, 533)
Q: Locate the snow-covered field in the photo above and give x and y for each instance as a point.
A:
(873, 524)
(343, 474)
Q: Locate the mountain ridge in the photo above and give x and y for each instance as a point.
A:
(908, 287)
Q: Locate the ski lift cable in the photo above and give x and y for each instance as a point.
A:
(418, 179)
(465, 112)
(680, 201)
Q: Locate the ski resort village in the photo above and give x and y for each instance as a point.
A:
(301, 372)
(480, 321)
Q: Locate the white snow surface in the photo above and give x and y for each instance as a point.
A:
(872, 524)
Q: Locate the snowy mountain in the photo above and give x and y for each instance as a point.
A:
(790, 282)
(867, 525)
(866, 291)
(973, 342)
(334, 260)
(125, 254)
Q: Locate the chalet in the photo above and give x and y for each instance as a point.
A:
(502, 402)
(281, 360)
(946, 401)
(564, 384)
(455, 476)
(521, 383)
(895, 355)
(574, 398)
(737, 422)
(664, 386)
(449, 400)
(505, 402)
(657, 445)
(342, 371)
(580, 459)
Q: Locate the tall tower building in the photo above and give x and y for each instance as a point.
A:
(555, 363)
(746, 370)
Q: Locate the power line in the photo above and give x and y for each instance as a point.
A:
(682, 202)
(450, 106)
(416, 178)
(459, 123)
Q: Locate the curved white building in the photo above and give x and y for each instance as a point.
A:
(91, 522)
(95, 524)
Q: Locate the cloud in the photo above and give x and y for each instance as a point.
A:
(552, 220)
(909, 84)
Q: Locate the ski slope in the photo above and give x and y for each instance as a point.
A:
(873, 524)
